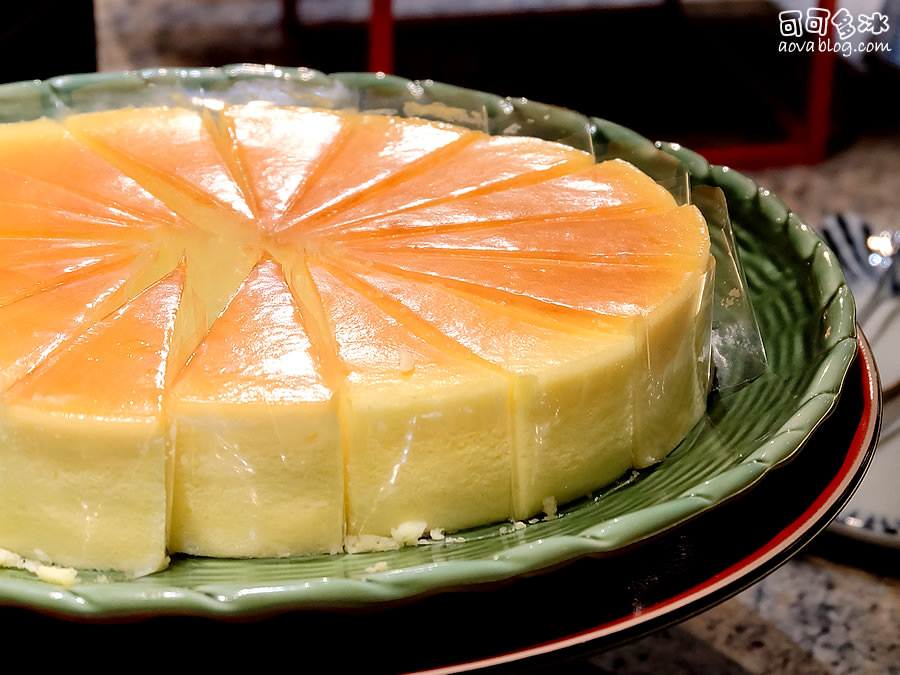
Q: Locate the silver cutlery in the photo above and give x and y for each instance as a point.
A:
(869, 259)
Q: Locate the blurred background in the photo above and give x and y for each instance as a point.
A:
(708, 73)
(724, 77)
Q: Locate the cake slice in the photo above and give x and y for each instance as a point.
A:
(277, 149)
(372, 152)
(258, 463)
(664, 310)
(44, 166)
(668, 238)
(84, 444)
(35, 325)
(182, 158)
(39, 264)
(488, 164)
(610, 188)
(426, 432)
(176, 155)
(572, 393)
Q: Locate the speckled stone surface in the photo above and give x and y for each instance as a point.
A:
(813, 615)
(822, 612)
(863, 178)
(847, 619)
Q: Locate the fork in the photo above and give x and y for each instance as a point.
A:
(870, 263)
(869, 260)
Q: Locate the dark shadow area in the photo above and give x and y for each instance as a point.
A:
(871, 557)
(713, 77)
(701, 73)
(670, 74)
(40, 37)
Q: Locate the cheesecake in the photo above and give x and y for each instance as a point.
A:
(256, 330)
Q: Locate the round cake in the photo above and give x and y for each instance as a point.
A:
(259, 330)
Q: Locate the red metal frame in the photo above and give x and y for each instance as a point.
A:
(807, 138)
(381, 37)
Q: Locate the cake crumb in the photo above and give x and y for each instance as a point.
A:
(512, 527)
(380, 566)
(51, 574)
(58, 576)
(408, 533)
(444, 112)
(366, 543)
(405, 534)
(436, 534)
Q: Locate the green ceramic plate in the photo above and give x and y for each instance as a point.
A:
(806, 321)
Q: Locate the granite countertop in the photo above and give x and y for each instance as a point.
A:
(822, 612)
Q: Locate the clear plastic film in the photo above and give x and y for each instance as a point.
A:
(736, 349)
(613, 141)
(738, 353)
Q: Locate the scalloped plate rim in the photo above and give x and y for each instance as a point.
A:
(141, 599)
